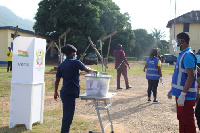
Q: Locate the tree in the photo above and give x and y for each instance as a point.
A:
(163, 47)
(95, 18)
(143, 43)
(158, 35)
(125, 37)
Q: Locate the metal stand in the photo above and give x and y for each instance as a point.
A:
(107, 104)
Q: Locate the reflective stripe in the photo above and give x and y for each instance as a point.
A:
(181, 88)
(152, 75)
(152, 69)
(181, 70)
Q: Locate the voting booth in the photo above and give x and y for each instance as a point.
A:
(27, 84)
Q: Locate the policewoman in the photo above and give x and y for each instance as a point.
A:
(184, 85)
(69, 71)
(153, 74)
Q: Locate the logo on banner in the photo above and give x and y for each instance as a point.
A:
(22, 53)
(40, 55)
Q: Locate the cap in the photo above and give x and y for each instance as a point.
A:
(69, 47)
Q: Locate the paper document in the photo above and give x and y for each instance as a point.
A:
(87, 84)
(94, 84)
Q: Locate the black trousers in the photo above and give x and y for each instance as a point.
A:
(68, 111)
(152, 86)
(197, 113)
(9, 66)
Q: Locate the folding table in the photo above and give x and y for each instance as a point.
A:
(106, 106)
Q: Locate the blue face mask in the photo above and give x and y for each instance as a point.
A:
(75, 56)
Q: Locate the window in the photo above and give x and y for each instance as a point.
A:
(186, 27)
(12, 35)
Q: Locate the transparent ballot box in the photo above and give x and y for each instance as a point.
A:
(97, 85)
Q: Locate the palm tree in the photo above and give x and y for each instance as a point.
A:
(158, 35)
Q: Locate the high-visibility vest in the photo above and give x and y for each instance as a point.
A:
(180, 76)
(152, 69)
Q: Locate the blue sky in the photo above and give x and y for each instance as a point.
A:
(145, 14)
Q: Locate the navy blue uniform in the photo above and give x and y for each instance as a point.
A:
(69, 71)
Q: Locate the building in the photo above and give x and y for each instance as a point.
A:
(189, 23)
(7, 35)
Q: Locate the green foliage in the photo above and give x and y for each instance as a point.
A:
(144, 58)
(158, 35)
(131, 58)
(111, 59)
(94, 18)
(125, 38)
(143, 43)
(163, 47)
(8, 18)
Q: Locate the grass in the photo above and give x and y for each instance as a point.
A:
(52, 117)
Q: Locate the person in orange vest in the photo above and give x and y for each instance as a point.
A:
(9, 54)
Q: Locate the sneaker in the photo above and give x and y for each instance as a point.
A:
(149, 101)
(119, 88)
(155, 102)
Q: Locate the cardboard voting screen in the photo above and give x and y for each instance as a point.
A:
(28, 60)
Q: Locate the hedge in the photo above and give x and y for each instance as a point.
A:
(131, 58)
(111, 59)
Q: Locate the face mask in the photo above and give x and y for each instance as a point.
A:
(175, 46)
(75, 56)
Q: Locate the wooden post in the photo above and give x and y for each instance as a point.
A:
(102, 39)
(93, 46)
(16, 32)
(59, 46)
(60, 37)
(108, 50)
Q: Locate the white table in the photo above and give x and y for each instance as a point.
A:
(98, 108)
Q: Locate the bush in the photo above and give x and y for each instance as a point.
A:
(111, 59)
(144, 58)
(131, 58)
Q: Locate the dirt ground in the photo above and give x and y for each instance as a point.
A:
(130, 112)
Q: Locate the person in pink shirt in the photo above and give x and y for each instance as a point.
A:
(121, 64)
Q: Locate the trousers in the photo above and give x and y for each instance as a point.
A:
(197, 113)
(185, 115)
(152, 86)
(122, 70)
(68, 112)
(9, 66)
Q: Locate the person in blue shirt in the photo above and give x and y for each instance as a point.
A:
(153, 74)
(184, 85)
(69, 71)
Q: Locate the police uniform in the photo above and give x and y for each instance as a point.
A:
(185, 114)
(152, 75)
(69, 71)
